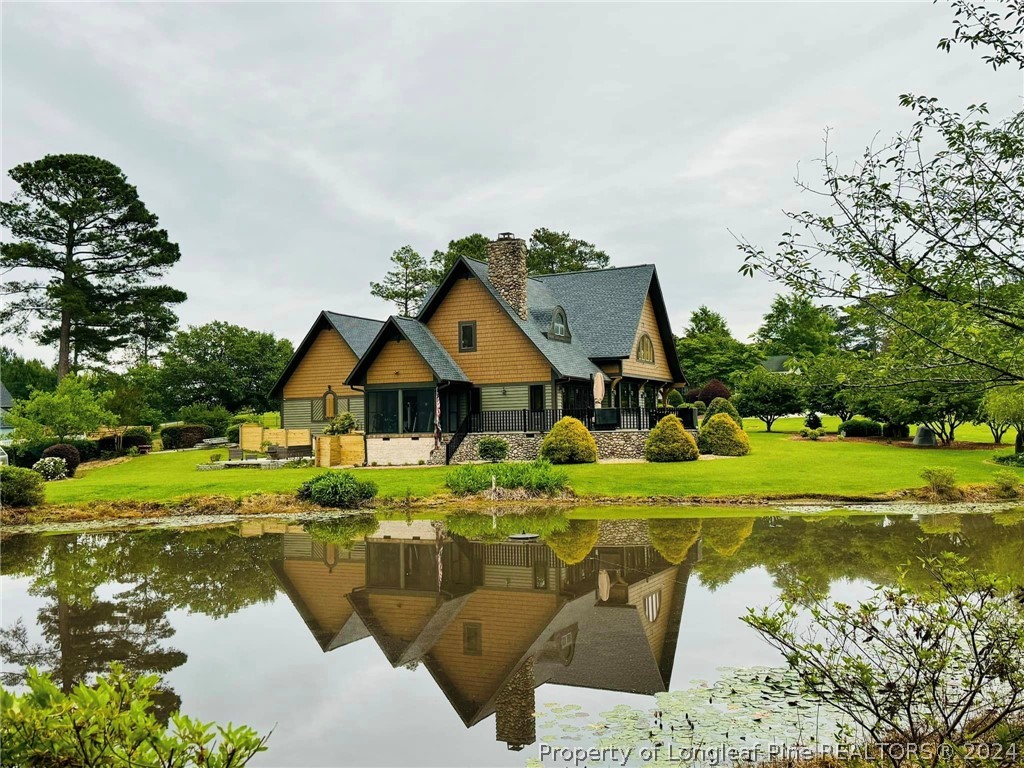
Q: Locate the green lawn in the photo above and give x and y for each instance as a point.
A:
(777, 465)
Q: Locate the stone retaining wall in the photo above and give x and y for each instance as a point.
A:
(618, 444)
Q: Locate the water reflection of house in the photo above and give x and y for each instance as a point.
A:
(505, 618)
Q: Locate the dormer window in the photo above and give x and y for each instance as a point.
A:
(559, 326)
(645, 350)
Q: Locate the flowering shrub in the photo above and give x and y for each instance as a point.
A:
(51, 468)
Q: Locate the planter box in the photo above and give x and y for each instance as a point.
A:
(340, 450)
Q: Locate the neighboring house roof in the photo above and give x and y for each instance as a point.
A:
(422, 340)
(356, 332)
(776, 363)
(6, 401)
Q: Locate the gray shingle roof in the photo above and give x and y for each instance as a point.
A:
(430, 349)
(357, 332)
(602, 307)
(6, 401)
(569, 359)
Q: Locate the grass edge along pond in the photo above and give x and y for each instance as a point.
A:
(778, 467)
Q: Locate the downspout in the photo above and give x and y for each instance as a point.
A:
(354, 388)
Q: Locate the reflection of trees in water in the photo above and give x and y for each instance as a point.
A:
(478, 526)
(573, 544)
(212, 572)
(343, 531)
(725, 535)
(822, 550)
(672, 538)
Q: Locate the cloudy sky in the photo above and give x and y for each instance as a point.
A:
(289, 149)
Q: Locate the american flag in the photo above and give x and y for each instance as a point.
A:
(437, 419)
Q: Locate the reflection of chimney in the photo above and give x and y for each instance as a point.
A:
(506, 266)
(514, 722)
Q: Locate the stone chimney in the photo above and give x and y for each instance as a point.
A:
(514, 721)
(506, 260)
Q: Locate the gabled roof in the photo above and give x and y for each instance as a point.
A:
(356, 332)
(6, 401)
(422, 340)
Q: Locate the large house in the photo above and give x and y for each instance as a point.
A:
(491, 350)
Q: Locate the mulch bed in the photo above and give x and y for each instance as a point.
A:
(909, 443)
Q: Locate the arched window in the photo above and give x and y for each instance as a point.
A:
(645, 350)
(330, 404)
(559, 325)
(652, 606)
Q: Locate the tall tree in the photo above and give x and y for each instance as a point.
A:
(82, 243)
(930, 224)
(707, 350)
(21, 375)
(551, 252)
(794, 326)
(223, 364)
(407, 283)
(148, 323)
(472, 246)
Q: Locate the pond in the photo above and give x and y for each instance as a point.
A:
(366, 641)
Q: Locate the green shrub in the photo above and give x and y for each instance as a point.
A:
(72, 458)
(492, 449)
(675, 398)
(669, 441)
(338, 490)
(701, 407)
(27, 454)
(720, 436)
(233, 431)
(569, 442)
(1007, 483)
(941, 481)
(343, 531)
(21, 487)
(1011, 460)
(721, 405)
(113, 724)
(537, 477)
(185, 435)
(896, 431)
(51, 468)
(246, 417)
(812, 434)
(217, 417)
(861, 427)
(133, 437)
(813, 421)
(341, 424)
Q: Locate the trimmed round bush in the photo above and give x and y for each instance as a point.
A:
(25, 455)
(72, 458)
(714, 389)
(675, 398)
(692, 395)
(20, 487)
(185, 435)
(51, 468)
(861, 427)
(569, 442)
(721, 405)
(701, 407)
(133, 437)
(669, 441)
(338, 490)
(341, 424)
(492, 449)
(720, 436)
(813, 421)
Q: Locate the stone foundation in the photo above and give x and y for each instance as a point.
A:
(618, 444)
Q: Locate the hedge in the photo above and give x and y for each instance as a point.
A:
(21, 487)
(339, 490)
(860, 427)
(569, 442)
(72, 458)
(669, 441)
(185, 435)
(720, 436)
(27, 455)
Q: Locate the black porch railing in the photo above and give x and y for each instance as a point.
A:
(525, 420)
(455, 441)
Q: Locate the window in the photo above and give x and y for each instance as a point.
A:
(536, 397)
(645, 350)
(330, 405)
(559, 325)
(567, 645)
(472, 639)
(467, 336)
(652, 606)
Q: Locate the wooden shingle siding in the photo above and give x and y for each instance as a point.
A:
(298, 413)
(398, 363)
(323, 589)
(503, 353)
(665, 582)
(649, 325)
(327, 362)
(516, 397)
